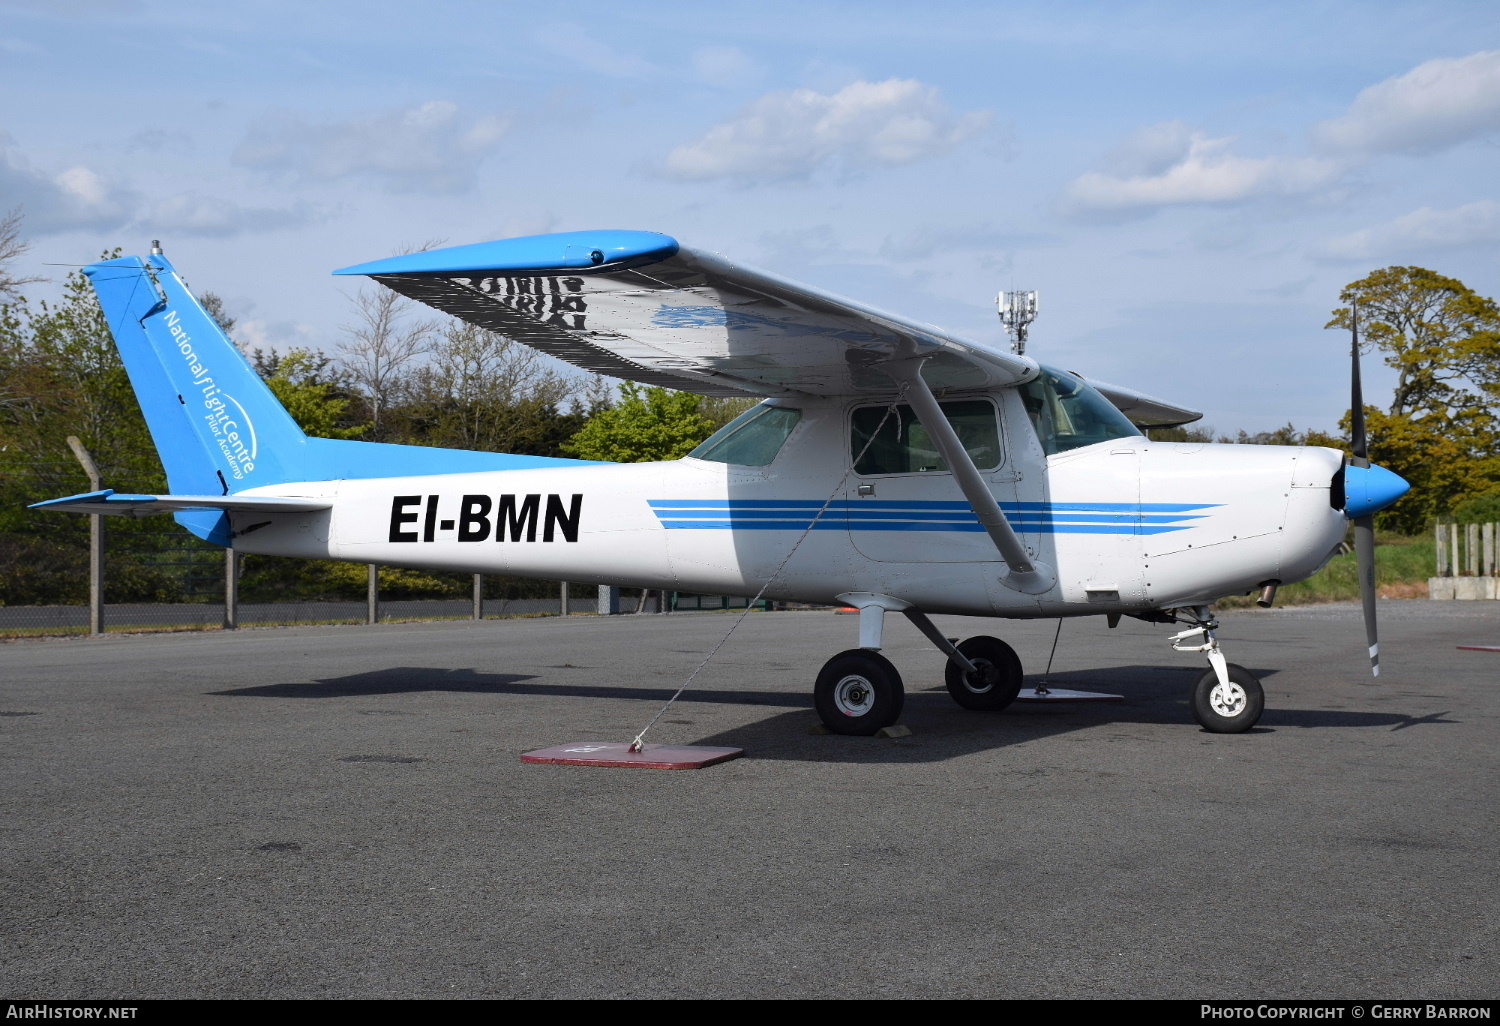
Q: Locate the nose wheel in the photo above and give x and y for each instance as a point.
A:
(858, 692)
(1230, 706)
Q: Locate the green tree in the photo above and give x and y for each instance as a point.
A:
(481, 390)
(61, 375)
(647, 424)
(1440, 432)
(299, 378)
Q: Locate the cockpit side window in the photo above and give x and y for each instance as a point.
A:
(1068, 414)
(901, 444)
(752, 439)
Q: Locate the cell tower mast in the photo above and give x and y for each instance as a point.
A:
(1017, 311)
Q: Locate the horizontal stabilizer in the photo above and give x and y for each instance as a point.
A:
(111, 503)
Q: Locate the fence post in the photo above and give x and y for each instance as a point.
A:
(372, 595)
(231, 589)
(479, 596)
(96, 540)
(1472, 542)
(609, 600)
(1454, 558)
(562, 597)
(1488, 566)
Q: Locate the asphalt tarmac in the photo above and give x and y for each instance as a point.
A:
(341, 812)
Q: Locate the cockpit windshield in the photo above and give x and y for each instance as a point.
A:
(1068, 414)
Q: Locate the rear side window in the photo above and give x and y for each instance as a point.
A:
(901, 444)
(752, 439)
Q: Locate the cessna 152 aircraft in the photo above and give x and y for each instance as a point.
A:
(891, 466)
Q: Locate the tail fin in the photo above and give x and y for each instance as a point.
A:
(216, 425)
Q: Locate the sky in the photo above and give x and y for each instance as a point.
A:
(1188, 186)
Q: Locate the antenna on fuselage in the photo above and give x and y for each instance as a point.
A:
(1017, 311)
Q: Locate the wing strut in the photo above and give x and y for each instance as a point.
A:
(1025, 574)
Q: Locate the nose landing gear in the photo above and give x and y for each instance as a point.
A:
(1228, 698)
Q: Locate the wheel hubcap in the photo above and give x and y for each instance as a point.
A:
(982, 679)
(854, 696)
(1228, 700)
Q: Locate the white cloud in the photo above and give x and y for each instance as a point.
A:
(274, 336)
(925, 240)
(723, 65)
(1470, 224)
(1167, 165)
(790, 134)
(1438, 103)
(77, 198)
(191, 214)
(428, 148)
(518, 225)
(570, 42)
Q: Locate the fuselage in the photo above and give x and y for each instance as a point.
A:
(1127, 524)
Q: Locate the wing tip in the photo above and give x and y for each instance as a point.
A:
(556, 252)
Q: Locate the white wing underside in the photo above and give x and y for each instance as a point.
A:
(697, 322)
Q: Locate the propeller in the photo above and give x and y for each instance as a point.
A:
(1364, 526)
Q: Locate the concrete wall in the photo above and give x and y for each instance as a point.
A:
(1474, 588)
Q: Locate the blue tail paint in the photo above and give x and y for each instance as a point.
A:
(217, 427)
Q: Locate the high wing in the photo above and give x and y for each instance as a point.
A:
(112, 503)
(1144, 410)
(640, 306)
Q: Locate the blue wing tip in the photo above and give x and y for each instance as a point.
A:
(559, 251)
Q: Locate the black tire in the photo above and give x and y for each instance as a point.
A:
(1232, 713)
(858, 692)
(998, 682)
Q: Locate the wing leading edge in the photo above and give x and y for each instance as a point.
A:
(640, 306)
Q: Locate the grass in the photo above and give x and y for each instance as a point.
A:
(1402, 566)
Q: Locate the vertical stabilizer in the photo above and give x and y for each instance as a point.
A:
(217, 427)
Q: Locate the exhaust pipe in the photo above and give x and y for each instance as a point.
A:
(1267, 594)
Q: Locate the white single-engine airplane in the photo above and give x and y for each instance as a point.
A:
(891, 466)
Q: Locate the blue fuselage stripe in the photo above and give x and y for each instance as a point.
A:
(739, 505)
(918, 515)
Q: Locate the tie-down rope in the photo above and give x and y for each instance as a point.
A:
(639, 743)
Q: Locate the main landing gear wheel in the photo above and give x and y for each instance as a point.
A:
(1228, 710)
(858, 692)
(998, 680)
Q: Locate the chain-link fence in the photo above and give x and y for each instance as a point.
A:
(158, 577)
